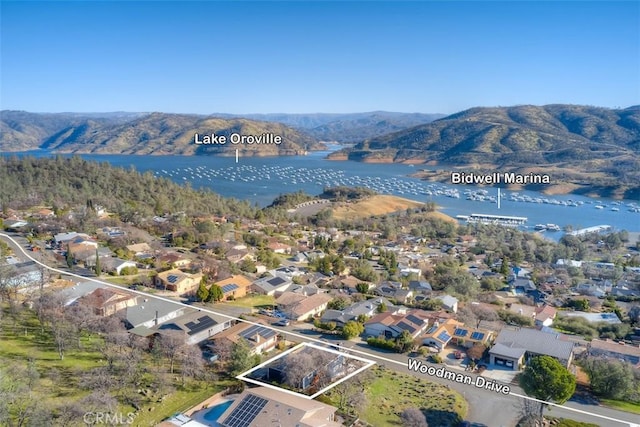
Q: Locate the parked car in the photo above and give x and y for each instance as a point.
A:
(282, 322)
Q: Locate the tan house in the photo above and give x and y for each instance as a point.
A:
(107, 301)
(260, 338)
(299, 307)
(178, 281)
(258, 406)
(235, 286)
(174, 259)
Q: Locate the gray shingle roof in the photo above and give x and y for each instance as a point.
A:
(536, 342)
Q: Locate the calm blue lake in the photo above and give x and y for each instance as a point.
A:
(261, 179)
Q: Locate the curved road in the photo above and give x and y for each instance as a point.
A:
(486, 408)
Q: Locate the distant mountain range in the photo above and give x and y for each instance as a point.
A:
(586, 149)
(345, 128)
(577, 144)
(142, 133)
(159, 133)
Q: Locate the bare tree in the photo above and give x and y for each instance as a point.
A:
(171, 344)
(413, 417)
(191, 362)
(297, 366)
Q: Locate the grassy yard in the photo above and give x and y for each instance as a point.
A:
(392, 392)
(22, 339)
(253, 301)
(178, 401)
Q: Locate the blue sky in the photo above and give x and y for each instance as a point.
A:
(303, 57)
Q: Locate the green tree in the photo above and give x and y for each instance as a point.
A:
(98, 268)
(69, 258)
(548, 380)
(202, 293)
(352, 329)
(382, 307)
(215, 293)
(362, 287)
(404, 342)
(611, 379)
(241, 357)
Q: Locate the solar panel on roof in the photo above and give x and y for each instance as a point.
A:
(172, 278)
(246, 411)
(276, 281)
(477, 335)
(459, 332)
(251, 332)
(405, 326)
(230, 287)
(203, 323)
(444, 336)
(415, 319)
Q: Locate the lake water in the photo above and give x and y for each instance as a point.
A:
(261, 179)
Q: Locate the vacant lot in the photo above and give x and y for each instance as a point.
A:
(375, 205)
(389, 393)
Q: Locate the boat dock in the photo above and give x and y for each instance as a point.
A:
(588, 230)
(512, 221)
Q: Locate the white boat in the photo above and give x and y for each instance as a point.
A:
(553, 227)
(540, 227)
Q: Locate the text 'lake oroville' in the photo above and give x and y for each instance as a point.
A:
(441, 372)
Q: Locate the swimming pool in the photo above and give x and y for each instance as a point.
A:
(215, 411)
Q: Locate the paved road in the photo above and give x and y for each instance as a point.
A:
(487, 408)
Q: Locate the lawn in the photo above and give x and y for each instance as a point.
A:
(22, 339)
(178, 401)
(254, 301)
(391, 392)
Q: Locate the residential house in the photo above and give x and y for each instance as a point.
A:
(235, 286)
(367, 308)
(140, 250)
(149, 312)
(195, 325)
(271, 285)
(615, 350)
(464, 336)
(441, 333)
(178, 281)
(21, 274)
(255, 405)
(279, 248)
(236, 256)
(326, 364)
(420, 287)
(260, 339)
(513, 347)
(64, 238)
(81, 244)
(88, 256)
(299, 307)
(115, 265)
(350, 283)
(107, 301)
(449, 303)
(391, 325)
(174, 259)
(545, 315)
